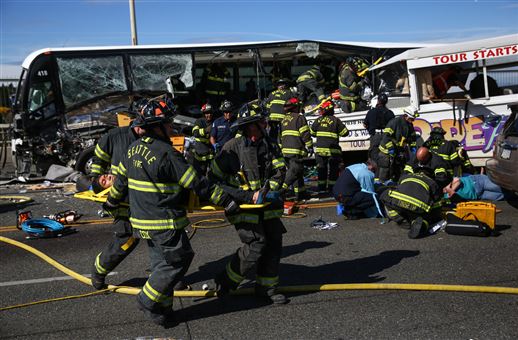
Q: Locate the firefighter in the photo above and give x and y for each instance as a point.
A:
(328, 129)
(311, 81)
(221, 132)
(275, 105)
(397, 142)
(296, 143)
(155, 177)
(425, 158)
(375, 121)
(257, 164)
(112, 145)
(450, 151)
(415, 200)
(215, 83)
(350, 84)
(202, 153)
(110, 149)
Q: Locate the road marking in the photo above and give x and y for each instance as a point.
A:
(49, 279)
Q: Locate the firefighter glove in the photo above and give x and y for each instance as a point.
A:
(232, 207)
(311, 152)
(110, 207)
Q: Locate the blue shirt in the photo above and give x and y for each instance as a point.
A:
(363, 175)
(221, 130)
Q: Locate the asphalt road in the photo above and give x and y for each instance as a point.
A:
(362, 251)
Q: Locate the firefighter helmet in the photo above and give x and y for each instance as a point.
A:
(138, 105)
(326, 108)
(226, 106)
(292, 105)
(154, 112)
(282, 81)
(411, 112)
(242, 122)
(437, 130)
(382, 98)
(206, 108)
(252, 108)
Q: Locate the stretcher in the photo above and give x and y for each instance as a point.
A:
(194, 203)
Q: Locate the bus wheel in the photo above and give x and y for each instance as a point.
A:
(85, 159)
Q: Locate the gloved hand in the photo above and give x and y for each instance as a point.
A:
(311, 152)
(232, 207)
(392, 153)
(413, 150)
(110, 207)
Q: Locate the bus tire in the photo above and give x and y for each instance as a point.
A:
(84, 160)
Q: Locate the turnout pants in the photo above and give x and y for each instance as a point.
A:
(262, 247)
(388, 167)
(327, 169)
(120, 247)
(295, 175)
(171, 255)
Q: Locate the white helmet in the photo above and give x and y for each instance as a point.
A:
(411, 112)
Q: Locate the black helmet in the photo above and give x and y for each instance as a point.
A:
(252, 108)
(138, 105)
(437, 130)
(282, 81)
(382, 98)
(242, 122)
(357, 63)
(154, 112)
(226, 106)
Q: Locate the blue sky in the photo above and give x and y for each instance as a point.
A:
(28, 25)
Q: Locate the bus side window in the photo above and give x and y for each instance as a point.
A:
(39, 95)
(41, 100)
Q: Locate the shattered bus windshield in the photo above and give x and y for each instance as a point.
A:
(87, 78)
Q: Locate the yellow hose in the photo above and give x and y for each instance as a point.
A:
(287, 289)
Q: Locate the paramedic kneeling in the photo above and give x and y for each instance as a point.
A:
(354, 191)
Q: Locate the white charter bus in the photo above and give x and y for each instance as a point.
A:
(68, 97)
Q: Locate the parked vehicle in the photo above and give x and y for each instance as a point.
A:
(502, 169)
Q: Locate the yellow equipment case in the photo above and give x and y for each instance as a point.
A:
(480, 211)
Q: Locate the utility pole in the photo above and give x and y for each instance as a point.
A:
(133, 22)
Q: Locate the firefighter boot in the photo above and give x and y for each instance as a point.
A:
(181, 285)
(416, 228)
(98, 280)
(271, 294)
(223, 284)
(162, 318)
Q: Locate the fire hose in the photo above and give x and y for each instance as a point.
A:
(249, 291)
